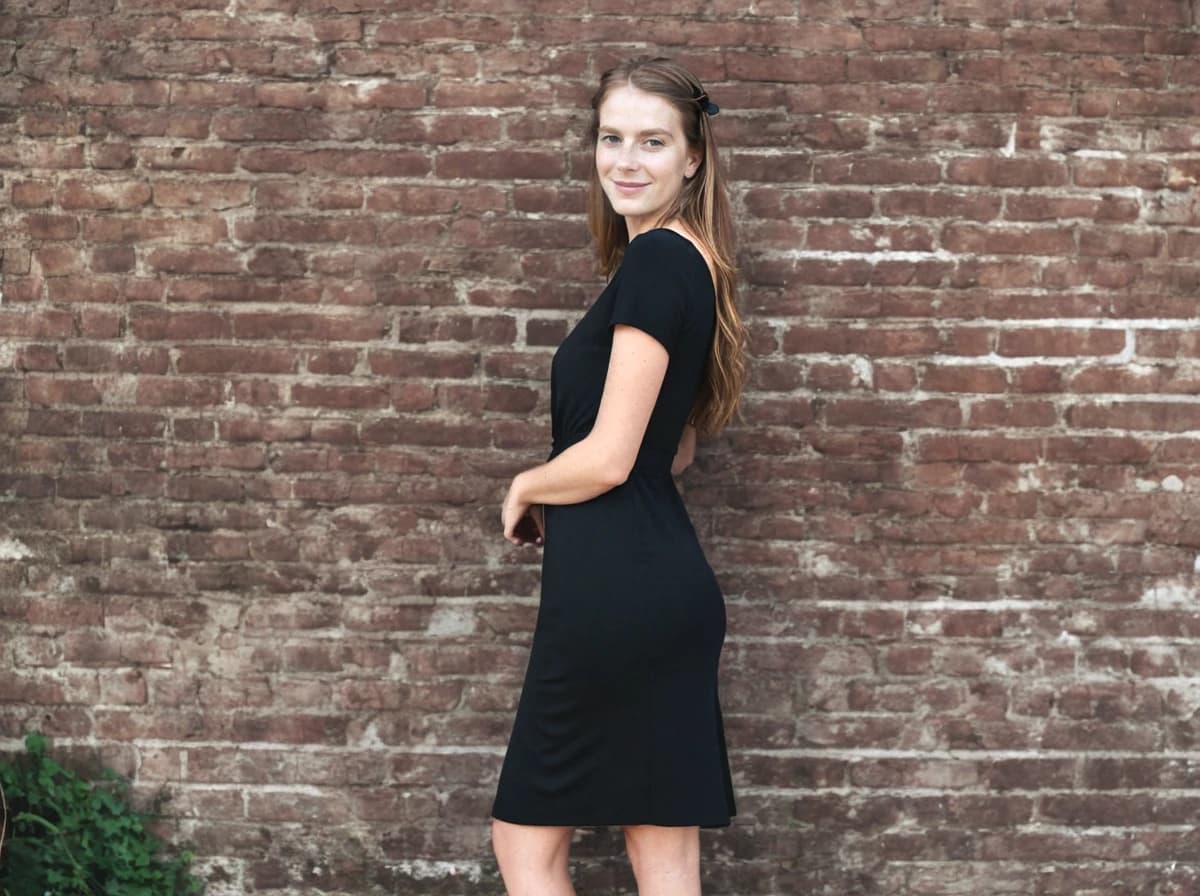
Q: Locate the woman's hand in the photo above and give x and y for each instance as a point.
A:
(514, 510)
(686, 453)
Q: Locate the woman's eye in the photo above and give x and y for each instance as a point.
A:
(655, 142)
(608, 138)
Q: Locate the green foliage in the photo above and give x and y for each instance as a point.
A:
(71, 837)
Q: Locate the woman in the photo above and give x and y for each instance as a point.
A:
(619, 721)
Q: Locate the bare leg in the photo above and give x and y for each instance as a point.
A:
(666, 861)
(533, 858)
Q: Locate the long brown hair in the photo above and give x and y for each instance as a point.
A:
(703, 207)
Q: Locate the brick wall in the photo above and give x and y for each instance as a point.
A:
(281, 283)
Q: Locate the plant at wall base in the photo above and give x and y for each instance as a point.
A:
(63, 835)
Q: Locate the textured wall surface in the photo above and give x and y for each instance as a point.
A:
(281, 284)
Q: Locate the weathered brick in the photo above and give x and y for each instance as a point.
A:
(276, 341)
(1051, 341)
(58, 391)
(486, 165)
(142, 229)
(344, 397)
(307, 326)
(101, 195)
(423, 364)
(1008, 172)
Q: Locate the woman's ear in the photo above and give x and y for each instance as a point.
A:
(693, 165)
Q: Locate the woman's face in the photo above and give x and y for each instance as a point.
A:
(642, 156)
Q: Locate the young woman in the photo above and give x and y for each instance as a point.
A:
(619, 721)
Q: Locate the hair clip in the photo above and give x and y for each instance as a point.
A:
(706, 104)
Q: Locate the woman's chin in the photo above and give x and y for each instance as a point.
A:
(631, 210)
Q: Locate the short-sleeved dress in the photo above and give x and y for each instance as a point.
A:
(619, 721)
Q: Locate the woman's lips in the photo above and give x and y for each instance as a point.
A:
(627, 187)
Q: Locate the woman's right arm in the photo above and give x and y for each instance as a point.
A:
(603, 459)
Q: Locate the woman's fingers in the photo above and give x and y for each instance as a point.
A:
(523, 523)
(527, 530)
(523, 528)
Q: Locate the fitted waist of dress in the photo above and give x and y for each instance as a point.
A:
(649, 458)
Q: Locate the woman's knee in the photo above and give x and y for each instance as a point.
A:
(652, 847)
(534, 847)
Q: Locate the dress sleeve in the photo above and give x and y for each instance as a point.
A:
(651, 292)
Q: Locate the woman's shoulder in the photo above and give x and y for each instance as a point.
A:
(668, 244)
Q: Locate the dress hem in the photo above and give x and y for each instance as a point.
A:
(714, 825)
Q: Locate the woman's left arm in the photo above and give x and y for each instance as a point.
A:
(604, 458)
(686, 452)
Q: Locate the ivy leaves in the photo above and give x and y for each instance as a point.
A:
(71, 837)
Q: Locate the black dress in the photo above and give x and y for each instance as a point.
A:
(619, 721)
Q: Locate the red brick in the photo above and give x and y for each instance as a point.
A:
(1136, 415)
(1098, 450)
(58, 390)
(545, 332)
(142, 229)
(1149, 175)
(1048, 208)
(224, 359)
(978, 448)
(847, 238)
(260, 437)
(188, 194)
(175, 391)
(522, 164)
(32, 194)
(113, 259)
(95, 648)
(1060, 342)
(156, 324)
(875, 171)
(1035, 10)
(111, 195)
(329, 807)
(423, 364)
(892, 413)
(48, 325)
(995, 172)
(37, 358)
(963, 379)
(1148, 14)
(994, 412)
(869, 341)
(1157, 379)
(1119, 243)
(50, 227)
(824, 203)
(345, 397)
(377, 95)
(306, 230)
(973, 239)
(302, 326)
(62, 290)
(194, 261)
(1168, 343)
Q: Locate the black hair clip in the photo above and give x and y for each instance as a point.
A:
(706, 104)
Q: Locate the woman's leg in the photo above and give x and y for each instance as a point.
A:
(533, 858)
(666, 861)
